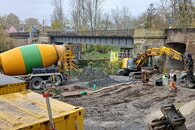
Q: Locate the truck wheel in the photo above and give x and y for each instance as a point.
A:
(36, 83)
(58, 80)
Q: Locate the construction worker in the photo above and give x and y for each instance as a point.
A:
(173, 79)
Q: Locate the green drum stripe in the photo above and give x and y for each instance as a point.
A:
(32, 57)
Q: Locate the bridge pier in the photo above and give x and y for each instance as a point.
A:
(43, 38)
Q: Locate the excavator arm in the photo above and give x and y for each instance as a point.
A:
(187, 80)
(141, 59)
(157, 51)
(165, 51)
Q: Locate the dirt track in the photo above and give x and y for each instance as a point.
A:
(129, 106)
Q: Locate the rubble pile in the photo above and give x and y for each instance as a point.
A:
(89, 74)
(4, 79)
(103, 82)
(95, 76)
(110, 81)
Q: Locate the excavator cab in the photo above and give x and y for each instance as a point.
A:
(129, 63)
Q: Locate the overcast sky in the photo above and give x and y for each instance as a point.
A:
(42, 9)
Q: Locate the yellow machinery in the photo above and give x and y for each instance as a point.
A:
(66, 59)
(36, 63)
(22, 60)
(141, 60)
(134, 65)
(22, 109)
(172, 119)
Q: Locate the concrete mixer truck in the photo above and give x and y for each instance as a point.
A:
(38, 63)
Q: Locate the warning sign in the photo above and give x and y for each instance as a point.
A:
(114, 56)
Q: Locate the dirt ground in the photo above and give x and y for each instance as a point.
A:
(129, 106)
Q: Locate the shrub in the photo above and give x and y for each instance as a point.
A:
(112, 67)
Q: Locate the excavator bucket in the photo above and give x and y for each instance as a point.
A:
(172, 120)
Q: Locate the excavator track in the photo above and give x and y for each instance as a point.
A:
(188, 80)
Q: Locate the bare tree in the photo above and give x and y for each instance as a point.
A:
(97, 11)
(116, 16)
(5, 41)
(78, 13)
(186, 13)
(105, 22)
(161, 15)
(90, 13)
(58, 14)
(122, 18)
(94, 12)
(32, 22)
(85, 13)
(126, 18)
(12, 20)
(74, 14)
(180, 11)
(3, 22)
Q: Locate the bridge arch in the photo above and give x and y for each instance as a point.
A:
(172, 63)
(178, 46)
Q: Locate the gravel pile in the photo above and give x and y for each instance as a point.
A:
(122, 79)
(4, 79)
(89, 74)
(102, 82)
(110, 81)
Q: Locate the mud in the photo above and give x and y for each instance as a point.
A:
(129, 106)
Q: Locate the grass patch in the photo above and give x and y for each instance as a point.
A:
(95, 55)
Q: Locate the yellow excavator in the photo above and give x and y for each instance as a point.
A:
(132, 67)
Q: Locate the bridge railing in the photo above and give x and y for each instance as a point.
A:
(116, 32)
(25, 34)
(121, 32)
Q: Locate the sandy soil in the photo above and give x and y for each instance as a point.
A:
(129, 106)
